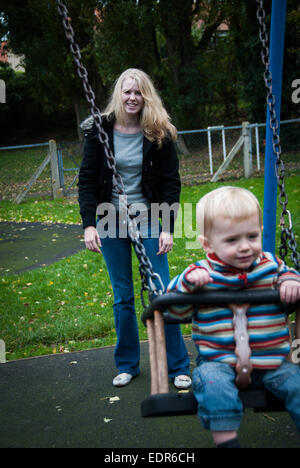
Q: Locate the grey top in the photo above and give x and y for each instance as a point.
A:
(129, 160)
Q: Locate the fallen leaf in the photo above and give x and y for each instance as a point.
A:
(111, 399)
(268, 417)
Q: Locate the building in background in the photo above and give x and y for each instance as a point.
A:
(15, 61)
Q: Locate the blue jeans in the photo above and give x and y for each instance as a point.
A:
(219, 405)
(117, 253)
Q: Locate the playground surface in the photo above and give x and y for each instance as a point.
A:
(68, 400)
(63, 401)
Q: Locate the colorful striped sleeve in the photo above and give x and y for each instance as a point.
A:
(284, 272)
(182, 285)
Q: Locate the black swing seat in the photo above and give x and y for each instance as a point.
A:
(175, 404)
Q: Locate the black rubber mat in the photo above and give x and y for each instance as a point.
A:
(64, 401)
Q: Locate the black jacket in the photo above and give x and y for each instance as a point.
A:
(160, 176)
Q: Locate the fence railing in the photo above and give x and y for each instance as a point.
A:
(69, 156)
(50, 158)
(251, 144)
(214, 146)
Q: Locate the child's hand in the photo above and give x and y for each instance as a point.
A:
(289, 291)
(199, 277)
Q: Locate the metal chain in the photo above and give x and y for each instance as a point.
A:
(287, 234)
(151, 281)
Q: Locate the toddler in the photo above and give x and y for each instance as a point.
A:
(230, 224)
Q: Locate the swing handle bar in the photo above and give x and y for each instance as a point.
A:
(222, 297)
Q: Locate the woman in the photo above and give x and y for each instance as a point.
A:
(141, 137)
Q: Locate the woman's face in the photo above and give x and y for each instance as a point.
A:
(132, 99)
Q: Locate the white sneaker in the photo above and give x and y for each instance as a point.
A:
(182, 381)
(122, 379)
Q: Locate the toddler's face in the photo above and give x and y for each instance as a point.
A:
(236, 243)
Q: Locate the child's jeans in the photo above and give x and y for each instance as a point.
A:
(219, 405)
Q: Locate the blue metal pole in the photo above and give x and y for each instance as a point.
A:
(276, 65)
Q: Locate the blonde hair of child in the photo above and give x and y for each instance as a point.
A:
(154, 119)
(234, 203)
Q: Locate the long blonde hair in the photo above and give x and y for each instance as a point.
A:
(154, 119)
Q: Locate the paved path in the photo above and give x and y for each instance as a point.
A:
(24, 246)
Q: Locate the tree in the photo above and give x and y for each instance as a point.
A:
(204, 77)
(50, 70)
(160, 38)
(126, 37)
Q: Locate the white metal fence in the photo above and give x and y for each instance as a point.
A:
(218, 142)
(209, 150)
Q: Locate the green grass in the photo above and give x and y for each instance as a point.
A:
(67, 306)
(62, 307)
(61, 210)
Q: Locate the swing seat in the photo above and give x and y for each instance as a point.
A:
(163, 403)
(176, 404)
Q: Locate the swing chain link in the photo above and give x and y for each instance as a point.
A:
(148, 276)
(287, 234)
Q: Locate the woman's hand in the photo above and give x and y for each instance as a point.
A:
(165, 243)
(92, 239)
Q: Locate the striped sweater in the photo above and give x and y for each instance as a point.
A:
(212, 328)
